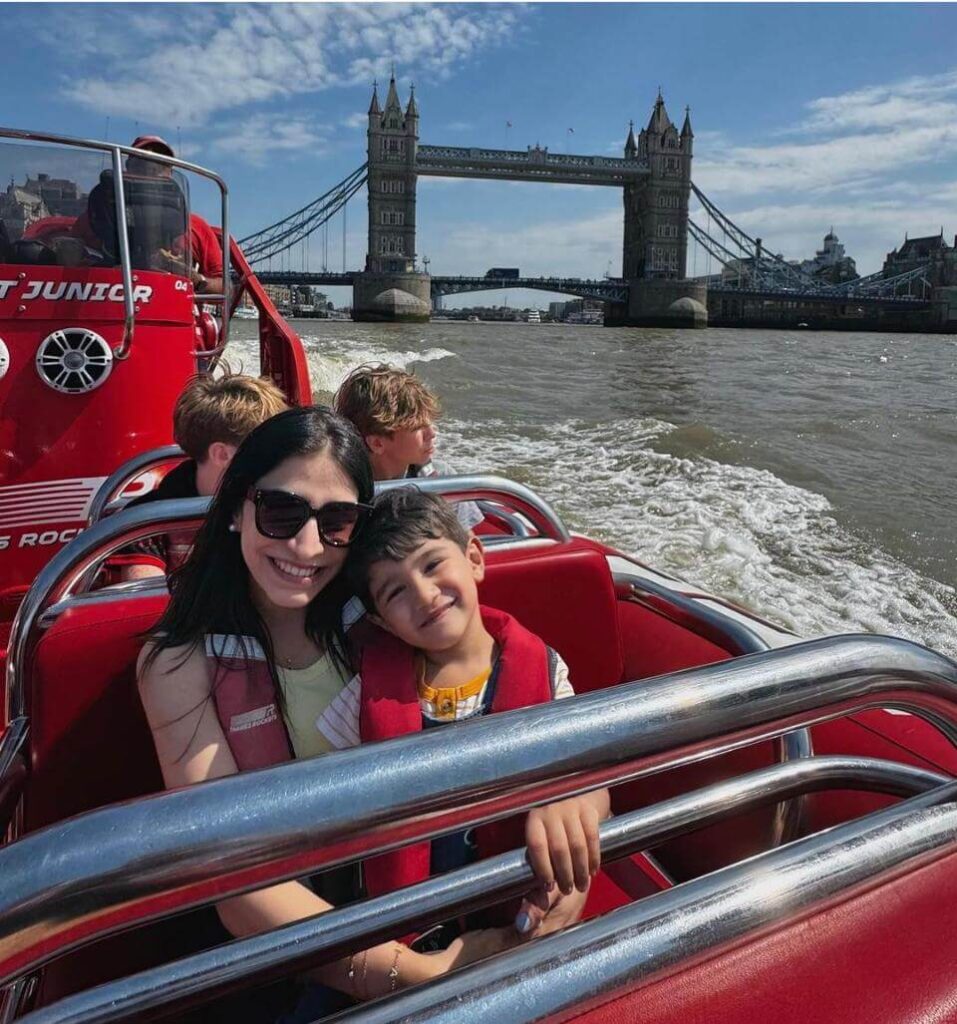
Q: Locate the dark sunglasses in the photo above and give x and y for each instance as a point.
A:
(282, 515)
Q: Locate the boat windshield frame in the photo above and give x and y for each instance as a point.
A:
(117, 153)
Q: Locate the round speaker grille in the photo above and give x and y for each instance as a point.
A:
(74, 360)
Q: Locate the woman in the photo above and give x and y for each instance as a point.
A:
(265, 567)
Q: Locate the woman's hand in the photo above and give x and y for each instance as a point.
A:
(475, 945)
(546, 910)
(562, 841)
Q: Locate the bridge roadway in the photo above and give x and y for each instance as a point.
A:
(608, 289)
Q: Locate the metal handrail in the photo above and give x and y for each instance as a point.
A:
(70, 566)
(345, 930)
(478, 486)
(673, 930)
(124, 475)
(100, 871)
(515, 523)
(122, 350)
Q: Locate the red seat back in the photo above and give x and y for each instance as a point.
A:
(89, 741)
(564, 594)
(884, 957)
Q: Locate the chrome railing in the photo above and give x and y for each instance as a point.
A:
(497, 488)
(348, 929)
(70, 568)
(647, 940)
(114, 485)
(100, 871)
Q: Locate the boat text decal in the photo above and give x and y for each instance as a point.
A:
(38, 511)
(72, 291)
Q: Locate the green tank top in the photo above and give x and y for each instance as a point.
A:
(308, 692)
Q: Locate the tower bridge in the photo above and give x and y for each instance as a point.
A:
(654, 175)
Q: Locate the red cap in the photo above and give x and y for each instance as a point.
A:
(154, 144)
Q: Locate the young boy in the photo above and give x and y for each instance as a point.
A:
(211, 419)
(395, 413)
(446, 659)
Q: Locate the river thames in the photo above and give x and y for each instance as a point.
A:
(808, 476)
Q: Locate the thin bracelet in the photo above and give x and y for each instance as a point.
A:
(394, 970)
(351, 974)
(365, 968)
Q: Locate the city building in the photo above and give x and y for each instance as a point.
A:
(916, 252)
(830, 263)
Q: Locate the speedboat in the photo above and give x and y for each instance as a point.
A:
(784, 843)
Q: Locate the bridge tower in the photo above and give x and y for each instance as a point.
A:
(391, 288)
(655, 246)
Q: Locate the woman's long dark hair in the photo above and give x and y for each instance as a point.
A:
(210, 593)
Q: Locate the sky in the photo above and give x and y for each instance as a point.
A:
(806, 116)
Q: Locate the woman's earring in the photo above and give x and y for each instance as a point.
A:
(233, 528)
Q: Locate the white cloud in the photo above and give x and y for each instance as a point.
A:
(860, 138)
(356, 120)
(261, 139)
(194, 62)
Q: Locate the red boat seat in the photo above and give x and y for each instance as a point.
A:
(89, 741)
(885, 957)
(564, 594)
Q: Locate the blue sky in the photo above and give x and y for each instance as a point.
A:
(805, 115)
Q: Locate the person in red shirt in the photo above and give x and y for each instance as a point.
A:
(205, 246)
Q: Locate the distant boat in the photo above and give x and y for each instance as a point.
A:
(534, 317)
(473, 320)
(246, 313)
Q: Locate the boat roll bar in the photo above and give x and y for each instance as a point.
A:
(117, 153)
(467, 487)
(675, 929)
(345, 930)
(117, 482)
(126, 864)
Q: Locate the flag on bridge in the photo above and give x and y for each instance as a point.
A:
(508, 124)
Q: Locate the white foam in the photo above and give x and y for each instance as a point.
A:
(734, 530)
(331, 358)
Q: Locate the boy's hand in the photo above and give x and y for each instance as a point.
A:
(562, 841)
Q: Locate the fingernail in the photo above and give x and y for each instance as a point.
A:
(523, 923)
(550, 885)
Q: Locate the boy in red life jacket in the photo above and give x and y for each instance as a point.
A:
(446, 659)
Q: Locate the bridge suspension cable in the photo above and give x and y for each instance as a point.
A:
(759, 269)
(299, 225)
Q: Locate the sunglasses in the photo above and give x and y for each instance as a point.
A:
(282, 515)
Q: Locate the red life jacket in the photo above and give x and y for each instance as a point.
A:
(389, 706)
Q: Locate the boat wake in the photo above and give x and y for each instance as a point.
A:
(732, 529)
(331, 358)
